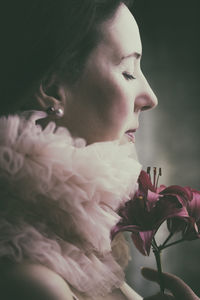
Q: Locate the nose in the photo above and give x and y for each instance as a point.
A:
(145, 99)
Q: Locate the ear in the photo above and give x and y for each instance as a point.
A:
(53, 95)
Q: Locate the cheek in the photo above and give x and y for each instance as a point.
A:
(110, 97)
(118, 104)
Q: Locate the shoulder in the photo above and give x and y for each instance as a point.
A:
(30, 281)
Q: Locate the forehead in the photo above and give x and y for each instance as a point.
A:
(121, 34)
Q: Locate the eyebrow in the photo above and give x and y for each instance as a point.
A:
(134, 54)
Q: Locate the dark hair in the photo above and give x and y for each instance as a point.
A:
(44, 36)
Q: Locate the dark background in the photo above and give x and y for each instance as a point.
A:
(169, 135)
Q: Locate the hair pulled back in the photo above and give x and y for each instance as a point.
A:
(42, 37)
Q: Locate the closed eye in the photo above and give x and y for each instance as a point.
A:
(128, 76)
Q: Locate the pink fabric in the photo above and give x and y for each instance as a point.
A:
(47, 175)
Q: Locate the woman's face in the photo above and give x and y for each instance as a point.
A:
(113, 91)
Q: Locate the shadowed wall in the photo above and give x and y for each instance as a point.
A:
(169, 135)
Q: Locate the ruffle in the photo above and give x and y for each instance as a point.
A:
(78, 187)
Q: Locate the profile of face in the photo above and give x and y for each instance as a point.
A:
(112, 90)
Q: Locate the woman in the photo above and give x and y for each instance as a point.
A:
(74, 90)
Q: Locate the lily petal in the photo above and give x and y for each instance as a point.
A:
(182, 194)
(142, 241)
(145, 183)
(194, 205)
(120, 228)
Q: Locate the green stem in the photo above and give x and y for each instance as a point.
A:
(154, 245)
(171, 244)
(157, 251)
(167, 240)
(159, 267)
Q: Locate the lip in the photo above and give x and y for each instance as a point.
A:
(131, 135)
(131, 130)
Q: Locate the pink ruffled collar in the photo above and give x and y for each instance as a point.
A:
(49, 169)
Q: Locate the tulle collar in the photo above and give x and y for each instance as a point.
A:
(53, 181)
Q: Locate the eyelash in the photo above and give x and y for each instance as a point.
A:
(128, 76)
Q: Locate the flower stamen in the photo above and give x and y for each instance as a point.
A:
(149, 172)
(154, 176)
(155, 180)
(159, 174)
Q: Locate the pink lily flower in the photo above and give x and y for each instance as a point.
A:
(148, 209)
(190, 226)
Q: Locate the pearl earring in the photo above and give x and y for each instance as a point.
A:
(58, 113)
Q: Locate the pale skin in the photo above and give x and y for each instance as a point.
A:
(107, 101)
(176, 287)
(112, 90)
